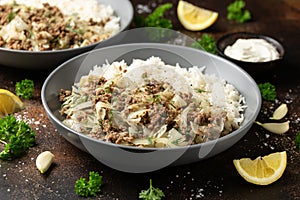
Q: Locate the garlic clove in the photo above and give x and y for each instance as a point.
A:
(44, 161)
(280, 112)
(278, 128)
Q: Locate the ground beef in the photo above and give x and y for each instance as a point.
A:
(49, 29)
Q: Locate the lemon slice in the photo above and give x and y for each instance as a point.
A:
(194, 18)
(263, 170)
(9, 103)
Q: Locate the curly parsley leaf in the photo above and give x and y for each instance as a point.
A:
(156, 18)
(89, 188)
(207, 43)
(15, 137)
(25, 89)
(236, 11)
(81, 187)
(298, 140)
(268, 91)
(152, 193)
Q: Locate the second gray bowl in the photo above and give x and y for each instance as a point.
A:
(41, 60)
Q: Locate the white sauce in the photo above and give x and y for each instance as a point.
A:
(252, 50)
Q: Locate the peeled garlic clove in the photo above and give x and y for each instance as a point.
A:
(280, 112)
(278, 128)
(44, 161)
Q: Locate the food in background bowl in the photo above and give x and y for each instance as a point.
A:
(39, 25)
(152, 104)
(49, 59)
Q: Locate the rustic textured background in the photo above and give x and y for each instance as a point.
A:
(214, 178)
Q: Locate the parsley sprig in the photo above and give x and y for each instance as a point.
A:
(268, 91)
(156, 18)
(207, 43)
(151, 193)
(297, 141)
(236, 11)
(16, 137)
(25, 88)
(89, 188)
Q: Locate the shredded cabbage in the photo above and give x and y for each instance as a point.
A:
(152, 104)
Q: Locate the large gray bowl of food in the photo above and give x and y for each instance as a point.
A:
(141, 107)
(43, 34)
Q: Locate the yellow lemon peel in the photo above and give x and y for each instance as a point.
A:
(9, 103)
(263, 170)
(195, 18)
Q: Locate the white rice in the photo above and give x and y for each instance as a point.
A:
(221, 95)
(196, 96)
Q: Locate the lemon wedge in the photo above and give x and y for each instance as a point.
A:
(194, 18)
(9, 103)
(263, 170)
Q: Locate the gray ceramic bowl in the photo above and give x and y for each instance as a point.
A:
(139, 160)
(50, 59)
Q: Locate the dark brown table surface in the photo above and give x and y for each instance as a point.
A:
(215, 178)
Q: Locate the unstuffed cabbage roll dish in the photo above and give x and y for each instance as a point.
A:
(40, 25)
(149, 103)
